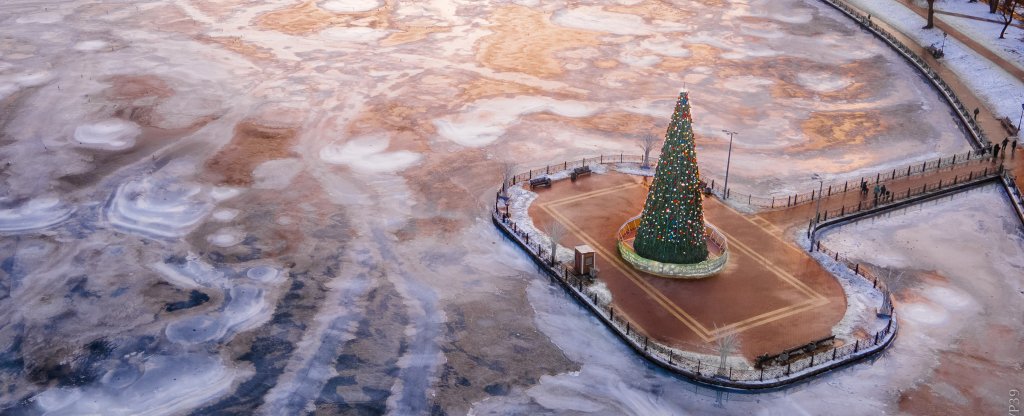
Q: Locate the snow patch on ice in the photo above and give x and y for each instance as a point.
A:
(155, 207)
(265, 274)
(90, 45)
(162, 384)
(485, 121)
(367, 154)
(110, 134)
(34, 214)
(226, 237)
(225, 214)
(822, 81)
(349, 6)
(190, 273)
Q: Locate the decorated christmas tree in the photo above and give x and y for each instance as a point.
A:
(672, 226)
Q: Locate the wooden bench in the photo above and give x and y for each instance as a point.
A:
(1008, 125)
(580, 171)
(786, 356)
(544, 181)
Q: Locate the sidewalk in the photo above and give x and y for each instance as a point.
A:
(799, 215)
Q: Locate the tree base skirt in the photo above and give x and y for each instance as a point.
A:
(709, 267)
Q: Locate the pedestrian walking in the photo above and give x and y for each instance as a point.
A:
(1006, 140)
(976, 112)
(883, 190)
(863, 187)
(877, 189)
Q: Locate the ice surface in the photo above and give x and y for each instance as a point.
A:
(300, 225)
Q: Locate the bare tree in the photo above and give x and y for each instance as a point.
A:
(508, 171)
(725, 345)
(555, 231)
(931, 15)
(647, 143)
(1006, 12)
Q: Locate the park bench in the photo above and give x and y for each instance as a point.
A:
(544, 181)
(1008, 125)
(786, 355)
(580, 171)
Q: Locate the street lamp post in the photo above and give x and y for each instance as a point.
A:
(728, 159)
(817, 207)
(1021, 118)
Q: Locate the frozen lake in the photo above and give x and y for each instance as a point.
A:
(279, 207)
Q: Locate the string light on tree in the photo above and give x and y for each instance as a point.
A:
(672, 224)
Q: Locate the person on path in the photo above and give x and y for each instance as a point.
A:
(877, 189)
(885, 193)
(863, 187)
(995, 151)
(976, 112)
(1006, 140)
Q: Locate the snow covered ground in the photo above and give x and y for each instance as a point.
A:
(1002, 92)
(1011, 47)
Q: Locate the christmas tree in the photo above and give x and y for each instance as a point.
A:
(672, 226)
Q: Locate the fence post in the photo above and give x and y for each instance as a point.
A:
(627, 327)
(645, 343)
(812, 194)
(748, 199)
(878, 176)
(761, 378)
(908, 170)
(846, 185)
(788, 368)
(620, 157)
(819, 245)
(773, 202)
(611, 313)
(856, 268)
(830, 190)
(698, 367)
(670, 353)
(812, 359)
(834, 354)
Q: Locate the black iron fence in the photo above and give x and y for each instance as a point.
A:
(956, 161)
(775, 372)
